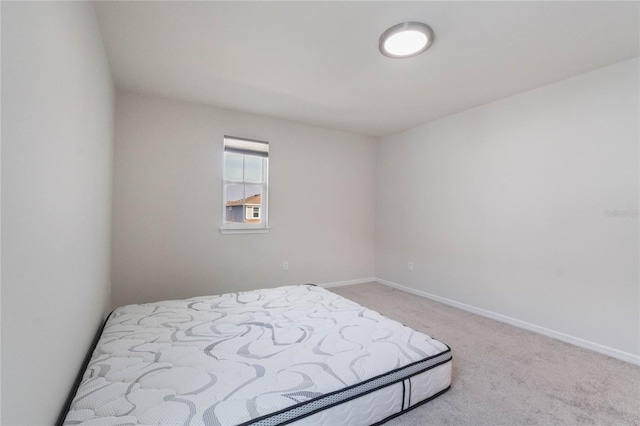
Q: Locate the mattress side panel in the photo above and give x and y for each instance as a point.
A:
(364, 410)
(426, 384)
(384, 403)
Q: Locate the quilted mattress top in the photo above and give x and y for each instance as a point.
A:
(234, 358)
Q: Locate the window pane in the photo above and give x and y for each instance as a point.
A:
(252, 169)
(234, 203)
(233, 166)
(241, 202)
(254, 199)
(253, 194)
(234, 193)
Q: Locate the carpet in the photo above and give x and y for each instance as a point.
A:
(504, 375)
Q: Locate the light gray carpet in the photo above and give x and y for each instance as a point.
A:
(503, 375)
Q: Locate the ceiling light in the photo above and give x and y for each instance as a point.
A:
(406, 40)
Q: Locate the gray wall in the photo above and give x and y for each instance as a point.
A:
(503, 207)
(57, 127)
(167, 203)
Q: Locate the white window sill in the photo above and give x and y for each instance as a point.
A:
(231, 231)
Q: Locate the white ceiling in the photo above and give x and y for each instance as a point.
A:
(318, 62)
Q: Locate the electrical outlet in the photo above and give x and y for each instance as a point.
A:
(285, 266)
(410, 266)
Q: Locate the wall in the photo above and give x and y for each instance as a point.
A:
(167, 203)
(504, 208)
(57, 128)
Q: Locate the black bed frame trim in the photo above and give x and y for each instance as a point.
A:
(76, 384)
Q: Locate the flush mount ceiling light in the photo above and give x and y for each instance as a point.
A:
(406, 40)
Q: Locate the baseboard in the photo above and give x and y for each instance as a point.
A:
(596, 347)
(350, 282)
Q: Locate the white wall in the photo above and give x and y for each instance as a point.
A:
(503, 207)
(57, 127)
(167, 203)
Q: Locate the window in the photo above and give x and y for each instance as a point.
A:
(253, 213)
(245, 192)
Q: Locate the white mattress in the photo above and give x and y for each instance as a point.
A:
(289, 355)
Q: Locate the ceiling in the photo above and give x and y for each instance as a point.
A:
(318, 62)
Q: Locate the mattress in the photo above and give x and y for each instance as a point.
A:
(289, 355)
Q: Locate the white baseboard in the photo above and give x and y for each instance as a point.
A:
(596, 347)
(350, 282)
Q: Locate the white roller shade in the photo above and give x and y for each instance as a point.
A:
(246, 146)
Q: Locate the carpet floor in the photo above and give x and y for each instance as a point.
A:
(504, 375)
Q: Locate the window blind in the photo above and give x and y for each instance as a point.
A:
(246, 146)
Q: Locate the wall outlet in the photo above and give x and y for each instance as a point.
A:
(410, 266)
(285, 266)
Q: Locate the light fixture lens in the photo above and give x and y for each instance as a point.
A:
(405, 43)
(406, 40)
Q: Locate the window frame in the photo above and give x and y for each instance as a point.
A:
(242, 228)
